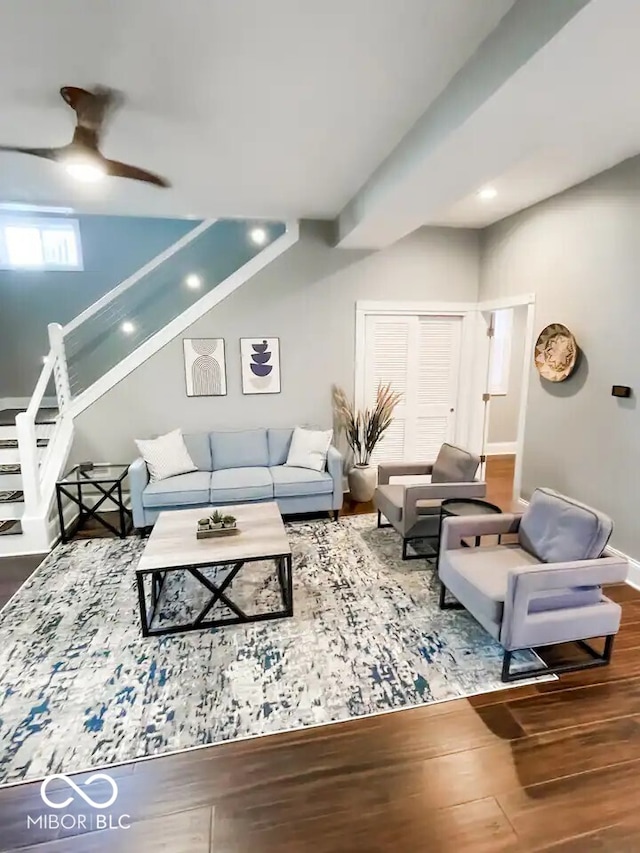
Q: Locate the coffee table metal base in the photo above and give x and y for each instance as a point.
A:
(218, 594)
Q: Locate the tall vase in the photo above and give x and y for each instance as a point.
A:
(362, 483)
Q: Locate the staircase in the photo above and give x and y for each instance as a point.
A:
(11, 490)
(104, 344)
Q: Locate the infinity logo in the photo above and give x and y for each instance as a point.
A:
(74, 787)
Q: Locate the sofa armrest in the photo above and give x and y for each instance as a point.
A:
(399, 470)
(335, 468)
(457, 528)
(138, 480)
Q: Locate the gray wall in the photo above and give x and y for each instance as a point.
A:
(307, 298)
(505, 409)
(113, 248)
(580, 253)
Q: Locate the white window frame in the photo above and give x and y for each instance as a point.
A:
(500, 362)
(42, 223)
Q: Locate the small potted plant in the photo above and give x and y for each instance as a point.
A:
(204, 523)
(216, 520)
(229, 522)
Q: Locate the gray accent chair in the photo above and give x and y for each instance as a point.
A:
(544, 589)
(414, 510)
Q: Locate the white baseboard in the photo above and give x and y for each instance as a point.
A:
(501, 448)
(633, 577)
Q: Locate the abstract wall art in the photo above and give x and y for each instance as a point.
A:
(204, 367)
(260, 362)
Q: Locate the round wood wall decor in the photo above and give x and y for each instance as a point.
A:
(556, 353)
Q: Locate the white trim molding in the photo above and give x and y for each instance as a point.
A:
(186, 319)
(501, 448)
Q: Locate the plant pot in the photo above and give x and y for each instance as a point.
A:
(216, 525)
(362, 483)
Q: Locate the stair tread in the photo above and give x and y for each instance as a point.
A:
(12, 443)
(11, 496)
(12, 527)
(13, 468)
(44, 416)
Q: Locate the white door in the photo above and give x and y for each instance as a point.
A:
(420, 356)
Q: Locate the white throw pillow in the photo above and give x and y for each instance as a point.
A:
(309, 448)
(166, 456)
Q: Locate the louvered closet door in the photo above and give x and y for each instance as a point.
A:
(420, 357)
(437, 371)
(386, 360)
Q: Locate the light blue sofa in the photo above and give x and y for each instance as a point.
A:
(235, 467)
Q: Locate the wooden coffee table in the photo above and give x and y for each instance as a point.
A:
(173, 547)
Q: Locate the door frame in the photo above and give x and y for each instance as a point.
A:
(485, 308)
(468, 312)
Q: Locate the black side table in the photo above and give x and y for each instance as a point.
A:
(99, 477)
(464, 506)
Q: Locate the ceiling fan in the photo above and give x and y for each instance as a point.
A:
(82, 156)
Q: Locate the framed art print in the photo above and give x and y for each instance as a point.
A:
(260, 365)
(205, 368)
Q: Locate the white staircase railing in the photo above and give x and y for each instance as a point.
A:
(40, 470)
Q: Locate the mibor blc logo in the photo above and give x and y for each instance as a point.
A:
(60, 797)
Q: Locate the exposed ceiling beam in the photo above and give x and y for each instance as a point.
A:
(388, 206)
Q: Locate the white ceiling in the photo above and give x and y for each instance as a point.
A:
(280, 108)
(566, 113)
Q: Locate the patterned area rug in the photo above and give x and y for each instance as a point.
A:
(80, 688)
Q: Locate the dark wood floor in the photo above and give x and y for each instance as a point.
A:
(552, 767)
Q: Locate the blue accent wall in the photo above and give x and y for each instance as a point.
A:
(113, 248)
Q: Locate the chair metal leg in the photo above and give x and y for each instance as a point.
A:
(448, 605)
(595, 658)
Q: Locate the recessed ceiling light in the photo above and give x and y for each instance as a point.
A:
(128, 327)
(487, 193)
(258, 236)
(45, 359)
(193, 281)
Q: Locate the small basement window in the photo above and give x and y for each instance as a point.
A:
(47, 243)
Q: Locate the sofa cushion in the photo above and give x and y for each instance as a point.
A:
(245, 448)
(557, 529)
(199, 448)
(237, 485)
(454, 465)
(166, 456)
(279, 441)
(182, 490)
(292, 482)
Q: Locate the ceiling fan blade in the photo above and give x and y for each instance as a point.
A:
(47, 153)
(123, 170)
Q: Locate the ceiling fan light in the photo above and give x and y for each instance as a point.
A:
(86, 171)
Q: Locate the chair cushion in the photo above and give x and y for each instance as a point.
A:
(556, 529)
(279, 442)
(199, 448)
(454, 465)
(182, 490)
(292, 482)
(245, 448)
(236, 485)
(478, 578)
